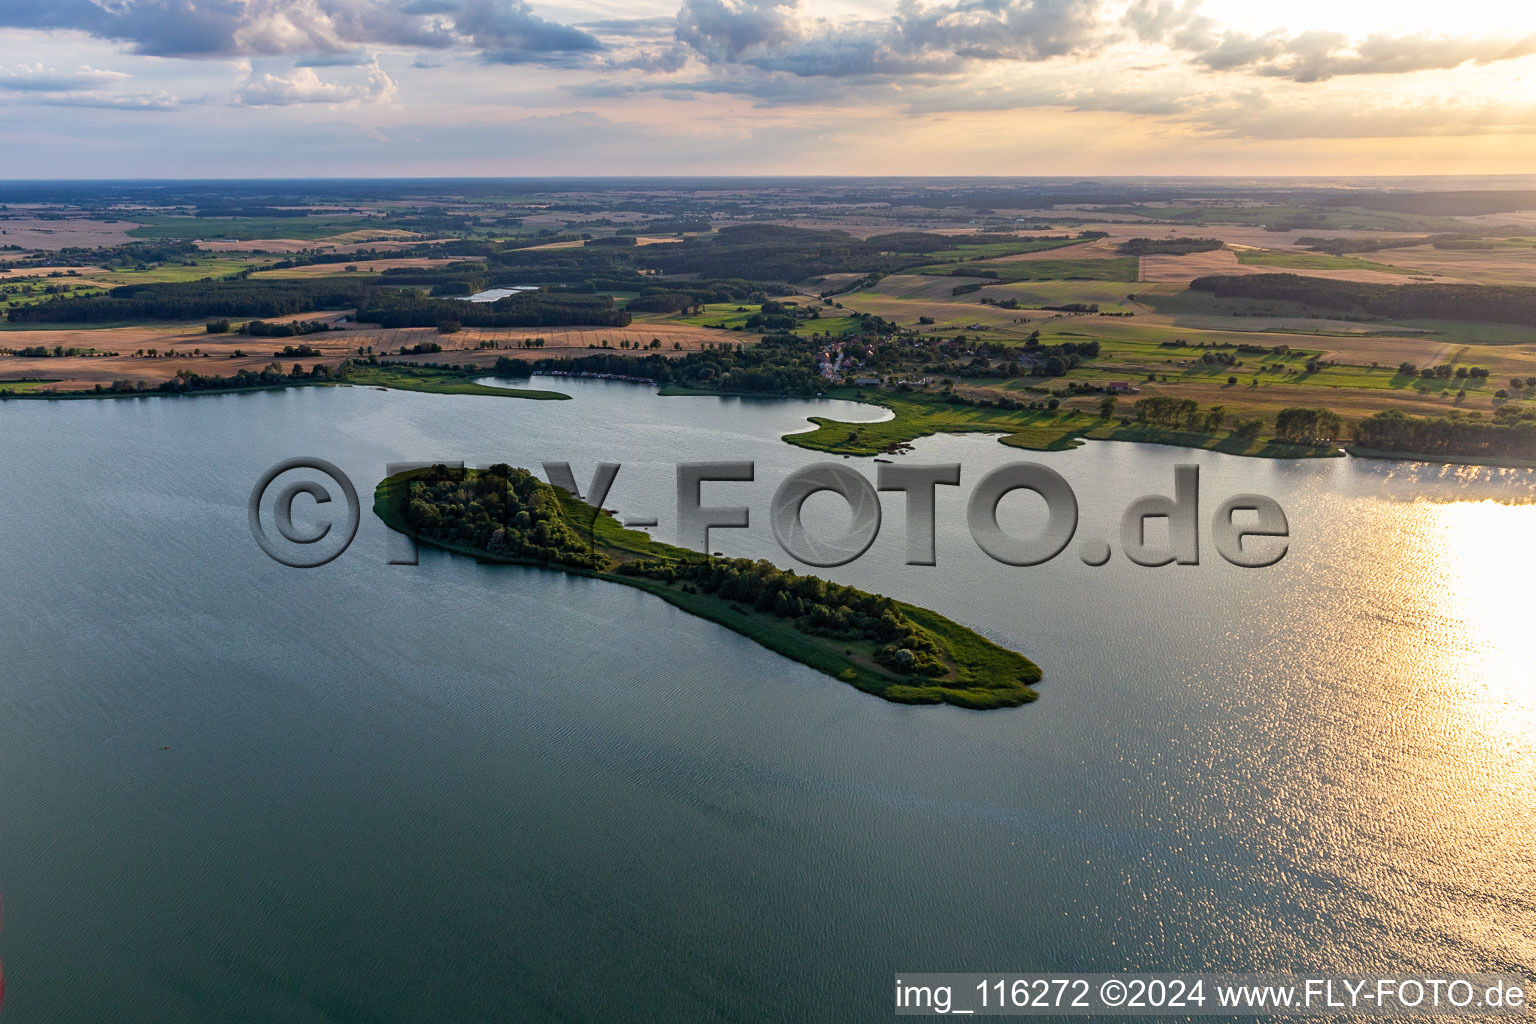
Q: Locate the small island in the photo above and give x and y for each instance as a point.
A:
(893, 650)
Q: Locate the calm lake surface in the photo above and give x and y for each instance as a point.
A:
(464, 792)
(492, 294)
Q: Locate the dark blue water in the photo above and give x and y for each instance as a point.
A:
(235, 791)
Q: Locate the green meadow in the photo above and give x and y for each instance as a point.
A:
(247, 228)
(919, 415)
(731, 315)
(439, 382)
(1302, 260)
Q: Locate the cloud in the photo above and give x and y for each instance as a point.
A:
(37, 78)
(1356, 118)
(504, 30)
(662, 60)
(352, 59)
(1311, 56)
(1315, 57)
(85, 86)
(303, 85)
(780, 35)
(508, 32)
(103, 101)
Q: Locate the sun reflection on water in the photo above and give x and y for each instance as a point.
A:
(1481, 585)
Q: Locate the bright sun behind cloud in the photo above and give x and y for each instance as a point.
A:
(1484, 17)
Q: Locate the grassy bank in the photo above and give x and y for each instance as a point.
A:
(21, 386)
(978, 673)
(1440, 459)
(918, 415)
(439, 382)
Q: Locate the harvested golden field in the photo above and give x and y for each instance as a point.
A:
(1237, 234)
(1481, 266)
(16, 273)
(1354, 403)
(41, 233)
(369, 266)
(352, 241)
(1424, 351)
(371, 235)
(1518, 218)
(866, 227)
(1259, 324)
(831, 282)
(558, 341)
(217, 352)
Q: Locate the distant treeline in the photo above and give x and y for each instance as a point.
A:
(768, 254)
(523, 309)
(1168, 246)
(130, 255)
(1340, 246)
(187, 382)
(1393, 431)
(780, 364)
(778, 253)
(196, 300)
(258, 211)
(1469, 203)
(379, 300)
(1476, 302)
(666, 227)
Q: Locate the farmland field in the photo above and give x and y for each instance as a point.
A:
(1107, 268)
(248, 228)
(1313, 261)
(1031, 287)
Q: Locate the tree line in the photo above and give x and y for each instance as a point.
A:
(780, 364)
(1168, 246)
(816, 606)
(1476, 302)
(1394, 431)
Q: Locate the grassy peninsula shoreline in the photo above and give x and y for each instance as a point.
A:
(920, 415)
(967, 669)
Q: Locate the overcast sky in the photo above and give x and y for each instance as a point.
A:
(240, 88)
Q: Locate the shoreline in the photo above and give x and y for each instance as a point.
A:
(1056, 431)
(1029, 429)
(974, 658)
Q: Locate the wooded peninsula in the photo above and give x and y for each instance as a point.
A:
(897, 651)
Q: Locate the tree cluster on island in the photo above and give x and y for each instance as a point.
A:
(508, 514)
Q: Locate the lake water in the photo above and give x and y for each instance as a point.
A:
(465, 792)
(492, 294)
